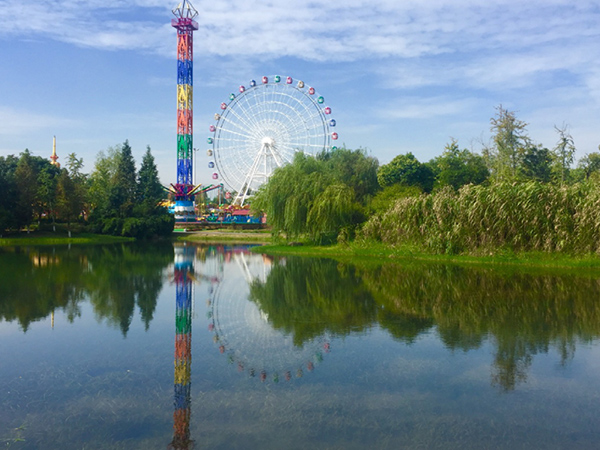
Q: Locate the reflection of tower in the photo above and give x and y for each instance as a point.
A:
(184, 259)
(184, 189)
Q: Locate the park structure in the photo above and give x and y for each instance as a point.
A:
(185, 189)
(257, 131)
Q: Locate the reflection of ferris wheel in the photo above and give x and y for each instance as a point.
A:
(262, 127)
(242, 331)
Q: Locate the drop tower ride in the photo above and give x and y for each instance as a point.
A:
(184, 189)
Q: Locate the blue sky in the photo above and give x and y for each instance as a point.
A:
(400, 76)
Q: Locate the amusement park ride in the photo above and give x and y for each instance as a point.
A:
(259, 129)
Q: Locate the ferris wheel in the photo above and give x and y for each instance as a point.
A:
(262, 127)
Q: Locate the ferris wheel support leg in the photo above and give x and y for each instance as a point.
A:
(276, 157)
(245, 187)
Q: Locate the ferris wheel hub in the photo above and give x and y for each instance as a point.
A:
(268, 141)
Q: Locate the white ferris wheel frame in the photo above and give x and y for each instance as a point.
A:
(262, 127)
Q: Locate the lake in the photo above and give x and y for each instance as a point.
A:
(135, 346)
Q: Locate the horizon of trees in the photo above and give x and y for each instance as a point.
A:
(113, 199)
(330, 202)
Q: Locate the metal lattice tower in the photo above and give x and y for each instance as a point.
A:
(184, 189)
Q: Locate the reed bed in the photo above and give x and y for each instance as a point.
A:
(529, 216)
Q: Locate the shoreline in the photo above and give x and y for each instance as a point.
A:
(59, 238)
(225, 236)
(370, 253)
(375, 253)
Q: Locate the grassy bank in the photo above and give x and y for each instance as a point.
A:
(58, 238)
(226, 235)
(377, 253)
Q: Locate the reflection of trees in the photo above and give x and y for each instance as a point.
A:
(308, 297)
(521, 314)
(525, 314)
(124, 276)
(34, 282)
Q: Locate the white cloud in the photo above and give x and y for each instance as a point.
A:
(20, 123)
(423, 107)
(318, 30)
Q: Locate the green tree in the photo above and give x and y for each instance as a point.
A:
(353, 168)
(68, 201)
(564, 153)
(74, 166)
(8, 187)
(457, 167)
(333, 209)
(27, 189)
(115, 197)
(47, 179)
(101, 178)
(318, 197)
(287, 196)
(590, 163)
(406, 170)
(122, 197)
(510, 140)
(536, 164)
(150, 189)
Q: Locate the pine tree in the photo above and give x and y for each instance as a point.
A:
(27, 188)
(124, 183)
(150, 191)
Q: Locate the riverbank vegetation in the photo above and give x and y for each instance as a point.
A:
(115, 199)
(516, 196)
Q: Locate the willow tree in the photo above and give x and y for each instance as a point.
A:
(315, 198)
(287, 197)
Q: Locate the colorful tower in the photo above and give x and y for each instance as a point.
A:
(184, 267)
(184, 189)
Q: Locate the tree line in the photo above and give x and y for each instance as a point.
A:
(342, 194)
(113, 199)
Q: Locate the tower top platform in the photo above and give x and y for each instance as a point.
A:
(185, 10)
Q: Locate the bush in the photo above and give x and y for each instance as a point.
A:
(112, 226)
(133, 227)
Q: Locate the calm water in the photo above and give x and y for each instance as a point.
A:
(139, 347)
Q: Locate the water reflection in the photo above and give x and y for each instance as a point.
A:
(183, 276)
(276, 319)
(520, 314)
(35, 281)
(244, 332)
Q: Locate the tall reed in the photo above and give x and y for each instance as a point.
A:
(529, 216)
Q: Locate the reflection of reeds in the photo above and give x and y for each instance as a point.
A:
(523, 314)
(528, 216)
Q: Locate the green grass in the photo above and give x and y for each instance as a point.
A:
(227, 235)
(378, 253)
(58, 238)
